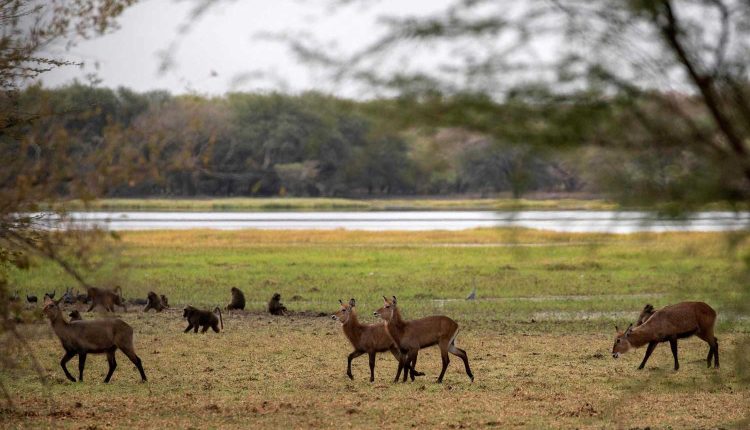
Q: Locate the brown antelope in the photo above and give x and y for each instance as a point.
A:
(91, 337)
(669, 324)
(365, 338)
(411, 336)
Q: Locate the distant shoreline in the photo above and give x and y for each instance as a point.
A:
(337, 204)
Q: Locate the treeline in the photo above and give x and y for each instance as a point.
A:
(271, 144)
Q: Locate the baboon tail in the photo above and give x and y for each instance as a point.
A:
(218, 309)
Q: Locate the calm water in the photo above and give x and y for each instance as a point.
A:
(563, 221)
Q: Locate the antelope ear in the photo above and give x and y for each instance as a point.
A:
(617, 329)
(341, 301)
(394, 300)
(352, 302)
(385, 300)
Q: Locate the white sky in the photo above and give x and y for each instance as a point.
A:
(223, 41)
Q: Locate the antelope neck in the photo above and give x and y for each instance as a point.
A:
(395, 327)
(352, 327)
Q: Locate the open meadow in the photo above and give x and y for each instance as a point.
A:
(538, 337)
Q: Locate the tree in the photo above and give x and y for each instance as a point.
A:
(41, 162)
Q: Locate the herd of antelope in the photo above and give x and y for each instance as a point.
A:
(402, 338)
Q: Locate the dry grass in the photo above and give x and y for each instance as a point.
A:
(289, 372)
(538, 338)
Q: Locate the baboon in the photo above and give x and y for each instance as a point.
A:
(68, 297)
(274, 305)
(31, 299)
(82, 298)
(106, 298)
(197, 318)
(646, 313)
(154, 302)
(238, 300)
(164, 301)
(75, 316)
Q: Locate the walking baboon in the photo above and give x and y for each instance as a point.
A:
(274, 305)
(106, 298)
(238, 300)
(197, 318)
(154, 302)
(75, 316)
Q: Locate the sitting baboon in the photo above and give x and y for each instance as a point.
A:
(68, 297)
(164, 301)
(238, 300)
(106, 298)
(646, 313)
(82, 298)
(197, 318)
(274, 305)
(154, 302)
(75, 316)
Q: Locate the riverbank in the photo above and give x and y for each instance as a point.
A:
(335, 204)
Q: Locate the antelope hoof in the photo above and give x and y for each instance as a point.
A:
(350, 376)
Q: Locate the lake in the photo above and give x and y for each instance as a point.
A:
(561, 221)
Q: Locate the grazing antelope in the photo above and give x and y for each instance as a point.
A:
(411, 336)
(365, 338)
(91, 337)
(671, 323)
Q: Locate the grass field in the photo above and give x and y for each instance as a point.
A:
(334, 204)
(538, 338)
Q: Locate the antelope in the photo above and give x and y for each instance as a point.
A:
(671, 323)
(91, 337)
(411, 336)
(365, 338)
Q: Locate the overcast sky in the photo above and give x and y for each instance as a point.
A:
(220, 52)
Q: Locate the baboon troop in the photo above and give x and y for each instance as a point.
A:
(197, 318)
(106, 298)
(155, 302)
(275, 307)
(238, 300)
